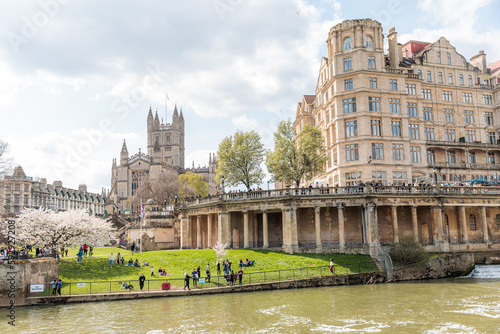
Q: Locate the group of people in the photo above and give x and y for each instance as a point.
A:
(84, 250)
(56, 287)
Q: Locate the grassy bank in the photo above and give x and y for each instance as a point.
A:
(178, 262)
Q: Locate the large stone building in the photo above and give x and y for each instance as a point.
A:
(18, 191)
(165, 151)
(420, 112)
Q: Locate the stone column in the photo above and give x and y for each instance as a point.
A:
(340, 210)
(265, 230)
(290, 241)
(373, 233)
(484, 223)
(198, 231)
(414, 222)
(368, 223)
(224, 228)
(463, 225)
(394, 210)
(317, 227)
(245, 229)
(438, 223)
(184, 231)
(209, 230)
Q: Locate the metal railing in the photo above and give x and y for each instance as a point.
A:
(109, 287)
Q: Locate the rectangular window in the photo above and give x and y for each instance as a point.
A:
(468, 117)
(415, 154)
(377, 151)
(371, 62)
(448, 115)
(491, 158)
(491, 137)
(487, 99)
(414, 133)
(375, 127)
(397, 152)
(396, 128)
(472, 157)
(426, 94)
(488, 118)
(429, 76)
(427, 113)
(429, 133)
(411, 89)
(470, 136)
(467, 97)
(450, 79)
(347, 64)
(7, 199)
(440, 77)
(462, 79)
(411, 108)
(439, 57)
(470, 80)
(450, 157)
(393, 84)
(348, 84)
(449, 59)
(351, 128)
(351, 152)
(431, 157)
(373, 103)
(26, 200)
(447, 95)
(349, 105)
(16, 199)
(26, 188)
(450, 134)
(395, 106)
(373, 83)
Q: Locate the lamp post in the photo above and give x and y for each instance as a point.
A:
(222, 183)
(268, 185)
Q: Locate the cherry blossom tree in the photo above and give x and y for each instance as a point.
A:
(219, 249)
(55, 229)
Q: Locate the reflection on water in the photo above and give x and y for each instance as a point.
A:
(464, 305)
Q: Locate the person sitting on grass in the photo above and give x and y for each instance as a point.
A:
(130, 262)
(136, 263)
(145, 264)
(165, 273)
(160, 271)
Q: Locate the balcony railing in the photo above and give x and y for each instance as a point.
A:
(335, 192)
(462, 144)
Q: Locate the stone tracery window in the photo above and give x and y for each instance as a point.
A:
(348, 43)
(472, 222)
(368, 42)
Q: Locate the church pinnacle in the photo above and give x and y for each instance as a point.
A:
(124, 147)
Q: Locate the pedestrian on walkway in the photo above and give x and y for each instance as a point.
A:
(54, 287)
(59, 287)
(208, 272)
(142, 278)
(240, 275)
(186, 281)
(111, 260)
(331, 266)
(194, 274)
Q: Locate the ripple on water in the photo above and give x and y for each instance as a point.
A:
(452, 328)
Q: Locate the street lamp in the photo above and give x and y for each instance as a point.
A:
(268, 185)
(222, 183)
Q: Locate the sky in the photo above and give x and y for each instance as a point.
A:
(78, 77)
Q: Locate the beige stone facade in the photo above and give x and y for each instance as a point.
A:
(420, 112)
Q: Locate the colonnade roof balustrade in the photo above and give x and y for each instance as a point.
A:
(350, 191)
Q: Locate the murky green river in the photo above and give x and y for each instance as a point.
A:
(462, 305)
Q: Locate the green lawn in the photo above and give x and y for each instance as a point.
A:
(178, 262)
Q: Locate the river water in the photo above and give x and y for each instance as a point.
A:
(460, 305)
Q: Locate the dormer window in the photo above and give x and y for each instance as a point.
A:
(368, 42)
(348, 43)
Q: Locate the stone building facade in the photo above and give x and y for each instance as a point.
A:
(18, 191)
(165, 152)
(420, 112)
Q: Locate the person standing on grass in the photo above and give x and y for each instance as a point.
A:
(91, 250)
(59, 287)
(331, 266)
(132, 248)
(194, 273)
(142, 278)
(80, 255)
(111, 260)
(240, 275)
(208, 272)
(118, 258)
(186, 281)
(218, 267)
(152, 271)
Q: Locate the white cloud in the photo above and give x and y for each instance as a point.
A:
(244, 123)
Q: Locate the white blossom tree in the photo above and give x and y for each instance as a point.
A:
(55, 229)
(219, 249)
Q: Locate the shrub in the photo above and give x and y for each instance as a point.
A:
(407, 251)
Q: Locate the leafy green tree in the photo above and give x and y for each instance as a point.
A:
(192, 182)
(296, 158)
(240, 157)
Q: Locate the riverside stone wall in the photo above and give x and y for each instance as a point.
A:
(16, 276)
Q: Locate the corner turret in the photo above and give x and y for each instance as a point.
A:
(124, 155)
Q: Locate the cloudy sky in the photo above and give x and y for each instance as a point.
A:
(78, 77)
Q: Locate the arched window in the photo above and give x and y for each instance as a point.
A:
(368, 42)
(472, 222)
(497, 220)
(348, 43)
